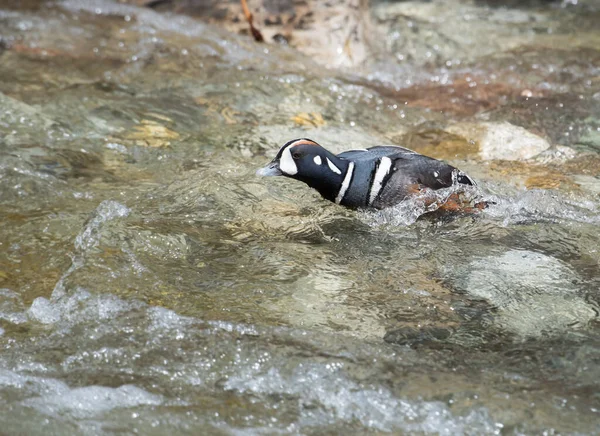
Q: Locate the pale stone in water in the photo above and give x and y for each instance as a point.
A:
(534, 294)
(501, 141)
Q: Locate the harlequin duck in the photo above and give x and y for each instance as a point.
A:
(373, 178)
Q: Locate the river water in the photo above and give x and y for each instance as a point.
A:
(150, 283)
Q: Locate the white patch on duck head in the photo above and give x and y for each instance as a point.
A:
(318, 160)
(286, 163)
(332, 166)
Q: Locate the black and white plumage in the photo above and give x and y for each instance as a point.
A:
(377, 177)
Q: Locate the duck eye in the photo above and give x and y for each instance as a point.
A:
(296, 155)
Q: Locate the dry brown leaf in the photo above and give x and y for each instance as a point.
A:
(152, 134)
(312, 119)
(229, 115)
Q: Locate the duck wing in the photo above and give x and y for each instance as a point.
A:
(411, 167)
(411, 173)
(375, 153)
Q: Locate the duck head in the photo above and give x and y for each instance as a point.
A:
(305, 160)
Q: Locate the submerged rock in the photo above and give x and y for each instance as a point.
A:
(501, 141)
(533, 294)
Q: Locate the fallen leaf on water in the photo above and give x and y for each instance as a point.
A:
(202, 101)
(213, 107)
(543, 182)
(152, 134)
(229, 115)
(312, 119)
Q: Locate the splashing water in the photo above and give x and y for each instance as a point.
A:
(428, 201)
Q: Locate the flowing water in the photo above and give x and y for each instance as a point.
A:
(150, 283)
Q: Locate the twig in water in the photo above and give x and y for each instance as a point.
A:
(255, 32)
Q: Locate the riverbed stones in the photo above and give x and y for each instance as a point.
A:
(533, 294)
(501, 141)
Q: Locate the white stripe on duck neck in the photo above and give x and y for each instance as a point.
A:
(332, 166)
(345, 183)
(385, 163)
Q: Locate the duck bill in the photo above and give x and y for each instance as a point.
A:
(270, 170)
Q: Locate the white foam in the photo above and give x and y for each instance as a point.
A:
(43, 311)
(88, 238)
(11, 307)
(408, 211)
(106, 211)
(89, 401)
(538, 205)
(328, 393)
(78, 306)
(32, 385)
(162, 320)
